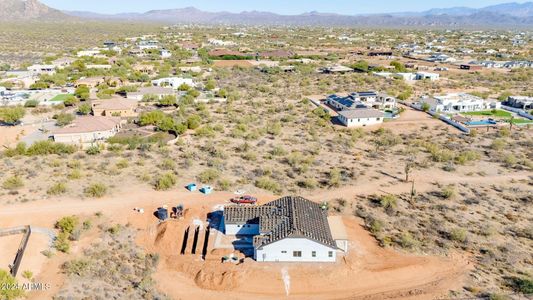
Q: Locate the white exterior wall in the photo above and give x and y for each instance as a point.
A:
(360, 121)
(273, 252)
(88, 137)
(241, 229)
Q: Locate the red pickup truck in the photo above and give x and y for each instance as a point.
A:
(247, 199)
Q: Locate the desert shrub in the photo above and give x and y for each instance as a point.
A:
(308, 183)
(205, 131)
(165, 181)
(77, 267)
(334, 177)
(13, 183)
(84, 109)
(521, 285)
(57, 189)
(20, 149)
(31, 103)
(375, 226)
(49, 147)
(278, 151)
(12, 115)
(63, 119)
(510, 160)
(209, 175)
(122, 164)
(388, 202)
(448, 192)
(75, 174)
(224, 184)
(62, 243)
(96, 190)
(407, 240)
(27, 274)
(458, 235)
(268, 184)
(467, 156)
(93, 150)
(167, 164)
(498, 144)
(67, 224)
(194, 121)
(6, 280)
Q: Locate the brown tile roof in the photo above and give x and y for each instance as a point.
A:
(89, 124)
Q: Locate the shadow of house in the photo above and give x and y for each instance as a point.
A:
(216, 220)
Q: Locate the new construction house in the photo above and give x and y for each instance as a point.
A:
(289, 229)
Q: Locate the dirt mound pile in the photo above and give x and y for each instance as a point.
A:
(217, 280)
(169, 237)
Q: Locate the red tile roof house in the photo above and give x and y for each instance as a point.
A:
(87, 130)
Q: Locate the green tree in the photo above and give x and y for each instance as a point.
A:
(426, 107)
(12, 115)
(151, 118)
(82, 92)
(63, 119)
(71, 100)
(84, 109)
(168, 100)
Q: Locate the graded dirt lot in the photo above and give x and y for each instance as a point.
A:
(367, 272)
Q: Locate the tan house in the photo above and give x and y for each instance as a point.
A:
(145, 69)
(90, 82)
(115, 107)
(87, 129)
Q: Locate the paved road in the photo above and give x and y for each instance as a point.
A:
(39, 135)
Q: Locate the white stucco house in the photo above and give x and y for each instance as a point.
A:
(362, 100)
(459, 102)
(427, 76)
(173, 82)
(37, 70)
(289, 229)
(361, 117)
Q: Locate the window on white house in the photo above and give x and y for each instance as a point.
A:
(297, 253)
(284, 252)
(313, 254)
(330, 253)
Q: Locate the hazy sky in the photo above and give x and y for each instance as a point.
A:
(278, 6)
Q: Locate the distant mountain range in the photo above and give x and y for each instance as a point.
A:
(508, 15)
(27, 10)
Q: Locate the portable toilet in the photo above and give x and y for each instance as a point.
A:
(162, 213)
(192, 187)
(206, 190)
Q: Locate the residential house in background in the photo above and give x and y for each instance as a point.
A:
(156, 91)
(521, 102)
(115, 107)
(37, 70)
(289, 229)
(173, 82)
(63, 62)
(356, 100)
(87, 130)
(361, 117)
(459, 102)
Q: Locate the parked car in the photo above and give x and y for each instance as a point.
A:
(246, 199)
